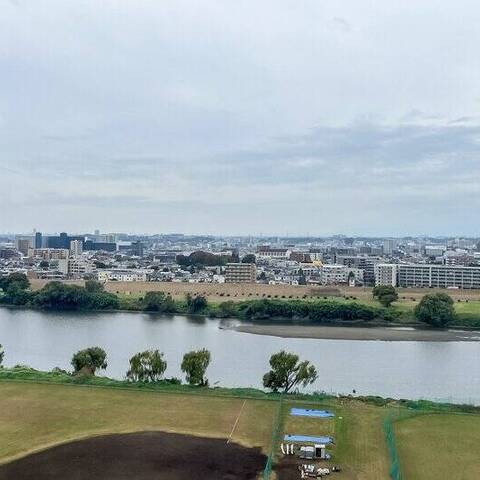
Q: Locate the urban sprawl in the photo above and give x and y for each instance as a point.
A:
(338, 260)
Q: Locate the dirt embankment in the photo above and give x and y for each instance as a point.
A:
(140, 456)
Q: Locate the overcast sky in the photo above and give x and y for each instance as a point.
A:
(240, 117)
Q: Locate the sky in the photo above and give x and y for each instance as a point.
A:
(240, 117)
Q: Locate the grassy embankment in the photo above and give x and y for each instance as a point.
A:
(38, 410)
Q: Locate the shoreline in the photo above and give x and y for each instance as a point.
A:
(384, 334)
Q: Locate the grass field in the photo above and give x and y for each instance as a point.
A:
(35, 416)
(359, 440)
(439, 447)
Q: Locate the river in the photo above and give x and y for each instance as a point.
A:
(442, 371)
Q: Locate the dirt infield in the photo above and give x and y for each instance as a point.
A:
(140, 456)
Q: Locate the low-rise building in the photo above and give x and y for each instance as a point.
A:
(117, 275)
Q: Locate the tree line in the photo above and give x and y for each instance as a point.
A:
(286, 372)
(435, 309)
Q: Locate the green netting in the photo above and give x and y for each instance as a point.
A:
(395, 470)
(267, 471)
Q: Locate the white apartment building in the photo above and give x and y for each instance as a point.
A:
(389, 246)
(340, 274)
(428, 276)
(76, 248)
(117, 275)
(268, 252)
(386, 274)
(49, 253)
(78, 267)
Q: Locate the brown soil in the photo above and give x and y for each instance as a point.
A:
(140, 456)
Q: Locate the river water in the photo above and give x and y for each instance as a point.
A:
(442, 371)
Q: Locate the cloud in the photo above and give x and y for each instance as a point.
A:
(342, 24)
(189, 118)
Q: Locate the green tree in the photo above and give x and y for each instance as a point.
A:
(147, 366)
(44, 264)
(195, 304)
(249, 258)
(158, 302)
(20, 280)
(227, 309)
(385, 294)
(287, 372)
(436, 309)
(92, 286)
(89, 360)
(2, 354)
(194, 365)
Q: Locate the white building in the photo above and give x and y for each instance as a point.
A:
(386, 274)
(428, 276)
(268, 252)
(79, 267)
(340, 274)
(117, 275)
(389, 246)
(76, 248)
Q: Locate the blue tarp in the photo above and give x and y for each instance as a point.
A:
(307, 438)
(302, 412)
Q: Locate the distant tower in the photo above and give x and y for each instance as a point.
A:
(38, 240)
(97, 232)
(76, 248)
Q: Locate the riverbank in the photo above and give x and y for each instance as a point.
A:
(386, 334)
(36, 421)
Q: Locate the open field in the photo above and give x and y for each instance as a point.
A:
(244, 291)
(357, 431)
(35, 416)
(439, 446)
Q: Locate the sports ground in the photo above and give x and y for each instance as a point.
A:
(217, 432)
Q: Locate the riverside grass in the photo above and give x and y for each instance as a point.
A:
(40, 409)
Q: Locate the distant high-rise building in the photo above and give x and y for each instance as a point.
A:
(22, 244)
(62, 241)
(38, 240)
(76, 248)
(97, 232)
(389, 245)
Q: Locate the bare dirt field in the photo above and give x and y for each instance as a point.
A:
(142, 456)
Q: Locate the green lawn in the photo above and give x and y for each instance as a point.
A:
(357, 430)
(439, 447)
